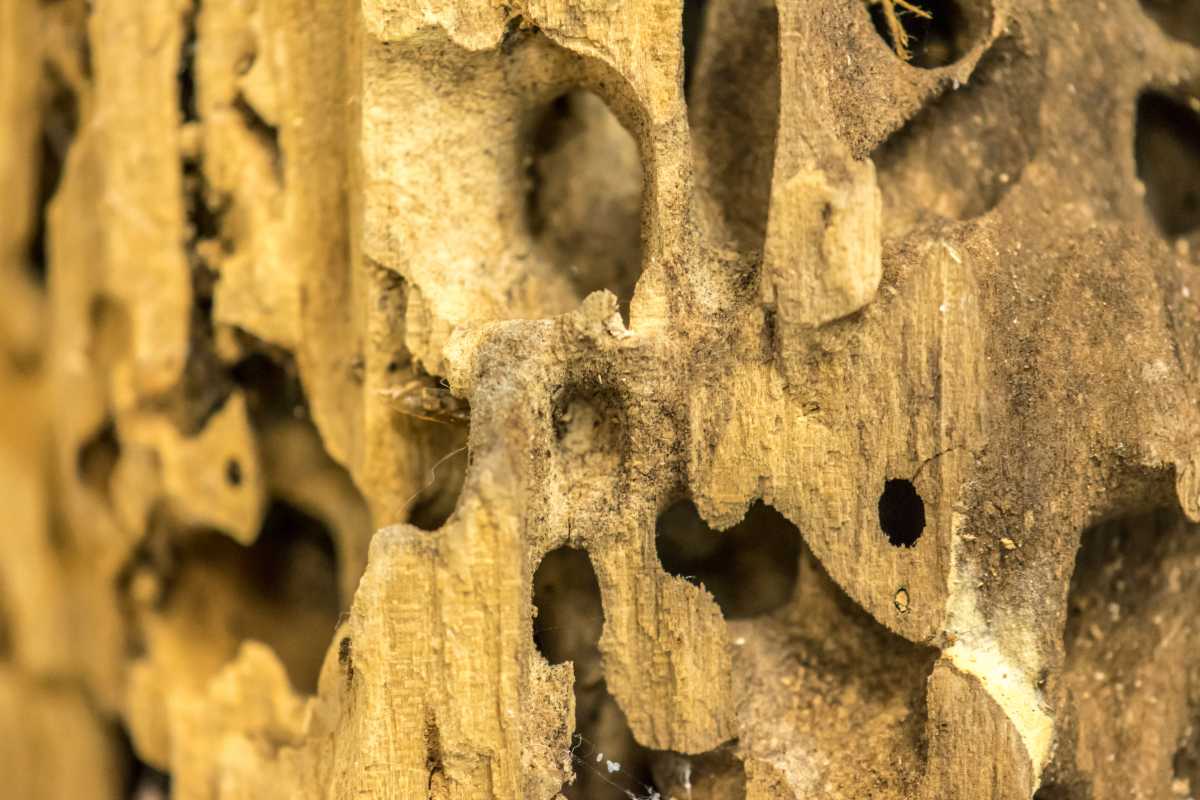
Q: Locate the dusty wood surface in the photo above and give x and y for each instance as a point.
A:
(625, 399)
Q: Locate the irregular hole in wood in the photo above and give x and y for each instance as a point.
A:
(294, 460)
(937, 38)
(733, 109)
(583, 205)
(1167, 152)
(1131, 687)
(218, 593)
(901, 512)
(964, 151)
(97, 458)
(567, 627)
(750, 569)
(1178, 18)
(60, 120)
(570, 616)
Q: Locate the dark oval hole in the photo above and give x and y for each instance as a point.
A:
(233, 472)
(931, 33)
(583, 205)
(901, 512)
(570, 615)
(1167, 150)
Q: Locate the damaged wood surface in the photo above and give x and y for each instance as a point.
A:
(569, 399)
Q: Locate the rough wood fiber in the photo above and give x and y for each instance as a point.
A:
(435, 399)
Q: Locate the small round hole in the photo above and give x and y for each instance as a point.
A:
(935, 34)
(233, 472)
(901, 512)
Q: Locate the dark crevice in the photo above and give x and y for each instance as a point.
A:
(733, 109)
(438, 499)
(224, 592)
(583, 203)
(940, 36)
(60, 121)
(205, 212)
(233, 472)
(268, 379)
(1178, 18)
(433, 756)
(693, 31)
(265, 133)
(427, 411)
(294, 460)
(186, 76)
(205, 384)
(1167, 150)
(6, 639)
(749, 569)
(434, 506)
(96, 460)
(141, 781)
